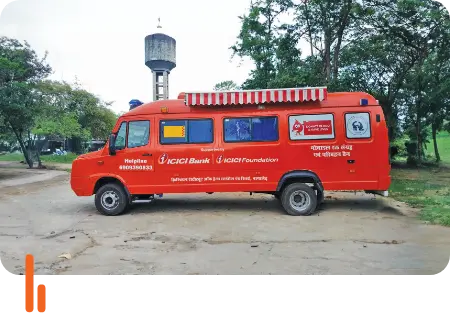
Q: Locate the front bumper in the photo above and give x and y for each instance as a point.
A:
(81, 186)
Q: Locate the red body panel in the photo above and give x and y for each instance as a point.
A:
(341, 163)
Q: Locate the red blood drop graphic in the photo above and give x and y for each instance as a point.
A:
(297, 127)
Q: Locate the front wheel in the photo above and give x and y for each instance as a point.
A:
(299, 199)
(111, 200)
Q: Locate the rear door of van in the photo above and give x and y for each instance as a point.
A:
(361, 156)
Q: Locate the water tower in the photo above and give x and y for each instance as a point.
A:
(160, 57)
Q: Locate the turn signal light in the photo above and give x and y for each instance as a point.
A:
(164, 110)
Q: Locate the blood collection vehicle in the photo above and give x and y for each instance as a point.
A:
(290, 143)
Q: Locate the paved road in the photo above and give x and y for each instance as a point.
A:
(214, 234)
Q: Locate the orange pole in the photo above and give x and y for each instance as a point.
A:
(41, 298)
(29, 282)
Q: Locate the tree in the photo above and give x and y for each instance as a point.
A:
(56, 124)
(399, 37)
(257, 40)
(89, 116)
(226, 85)
(429, 89)
(327, 25)
(20, 71)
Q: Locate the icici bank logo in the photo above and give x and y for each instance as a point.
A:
(219, 159)
(163, 158)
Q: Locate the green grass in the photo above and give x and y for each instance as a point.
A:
(68, 159)
(443, 142)
(426, 189)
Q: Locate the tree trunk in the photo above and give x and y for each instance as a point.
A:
(340, 35)
(308, 25)
(419, 142)
(38, 152)
(22, 146)
(390, 118)
(436, 151)
(327, 58)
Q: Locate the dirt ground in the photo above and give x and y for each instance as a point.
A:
(212, 234)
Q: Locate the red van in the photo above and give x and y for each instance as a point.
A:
(291, 143)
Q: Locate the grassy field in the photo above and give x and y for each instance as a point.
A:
(427, 188)
(443, 142)
(68, 159)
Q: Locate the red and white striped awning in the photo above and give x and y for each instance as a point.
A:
(256, 96)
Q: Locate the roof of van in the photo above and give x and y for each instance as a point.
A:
(174, 106)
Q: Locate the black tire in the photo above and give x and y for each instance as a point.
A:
(105, 194)
(306, 195)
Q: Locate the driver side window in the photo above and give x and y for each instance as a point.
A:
(121, 135)
(138, 134)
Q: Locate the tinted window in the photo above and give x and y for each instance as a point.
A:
(138, 133)
(237, 129)
(200, 131)
(265, 129)
(251, 129)
(186, 131)
(121, 135)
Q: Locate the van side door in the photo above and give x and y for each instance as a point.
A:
(251, 158)
(134, 159)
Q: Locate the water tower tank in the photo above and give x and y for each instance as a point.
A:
(160, 57)
(160, 52)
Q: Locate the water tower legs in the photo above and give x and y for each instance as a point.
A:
(160, 85)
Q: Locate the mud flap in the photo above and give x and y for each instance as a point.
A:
(320, 193)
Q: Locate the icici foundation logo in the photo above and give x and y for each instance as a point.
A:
(219, 159)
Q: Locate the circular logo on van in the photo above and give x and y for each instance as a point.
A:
(163, 158)
(358, 125)
(219, 159)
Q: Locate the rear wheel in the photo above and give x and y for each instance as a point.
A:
(299, 199)
(111, 199)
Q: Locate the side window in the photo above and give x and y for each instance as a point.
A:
(138, 133)
(200, 131)
(186, 131)
(311, 126)
(251, 129)
(237, 129)
(264, 129)
(121, 135)
(357, 125)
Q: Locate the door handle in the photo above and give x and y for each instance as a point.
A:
(147, 154)
(351, 161)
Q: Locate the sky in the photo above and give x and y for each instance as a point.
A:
(101, 42)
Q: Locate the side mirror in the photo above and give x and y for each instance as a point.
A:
(112, 144)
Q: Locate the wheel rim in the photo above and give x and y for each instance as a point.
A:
(300, 200)
(110, 200)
